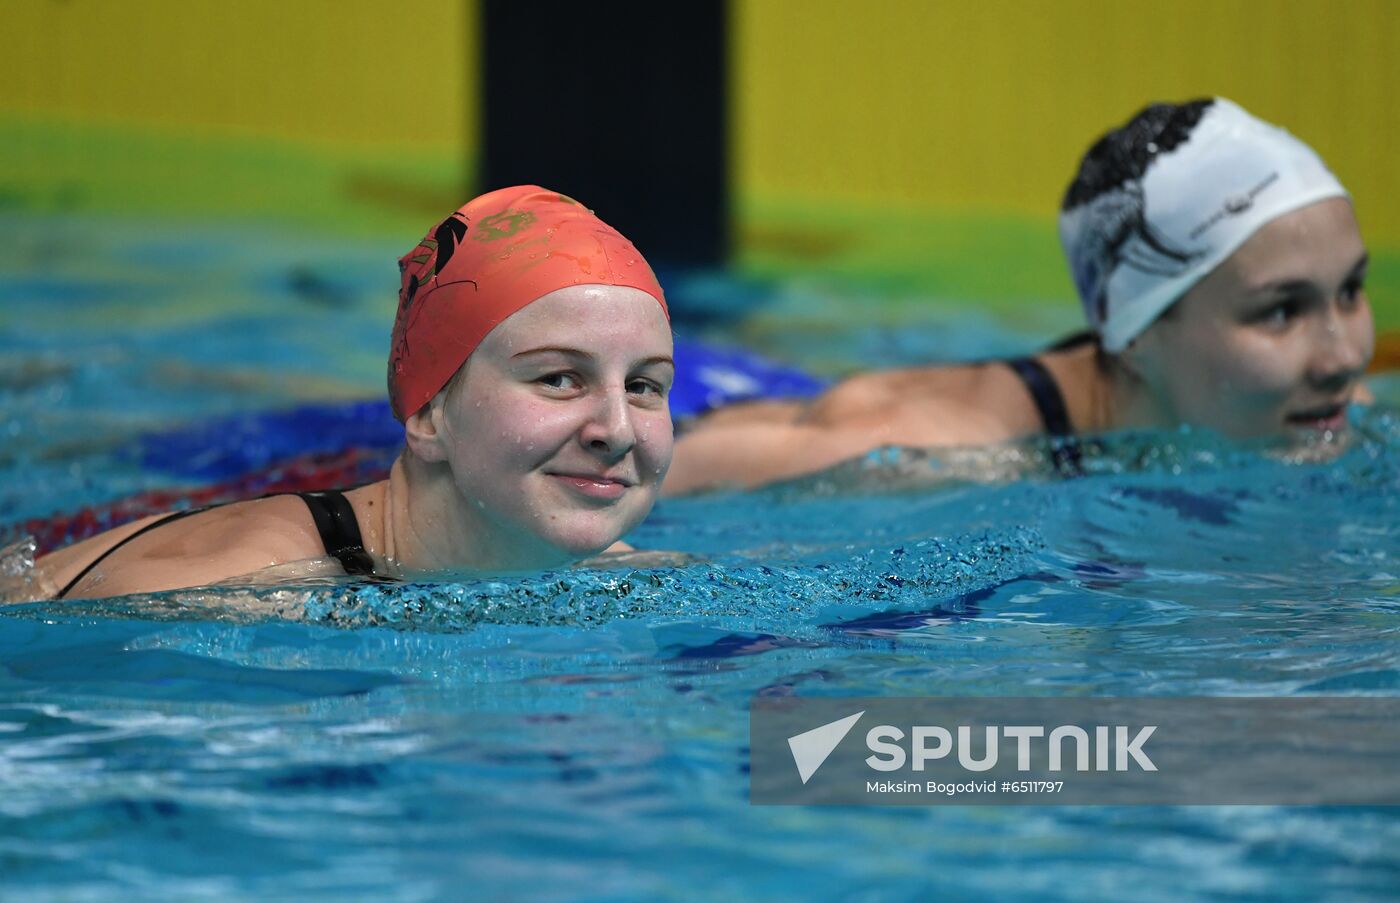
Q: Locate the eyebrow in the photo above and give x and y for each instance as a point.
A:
(575, 352)
(1293, 285)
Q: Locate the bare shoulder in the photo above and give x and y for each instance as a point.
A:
(750, 454)
(199, 549)
(920, 407)
(863, 394)
(966, 404)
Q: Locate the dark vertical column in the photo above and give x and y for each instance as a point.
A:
(619, 103)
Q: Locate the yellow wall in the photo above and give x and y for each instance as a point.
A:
(327, 113)
(960, 107)
(359, 72)
(986, 106)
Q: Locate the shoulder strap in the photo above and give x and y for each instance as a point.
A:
(1053, 413)
(1045, 393)
(160, 522)
(340, 532)
(332, 512)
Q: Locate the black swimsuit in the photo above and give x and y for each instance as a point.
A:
(1045, 393)
(1053, 413)
(335, 521)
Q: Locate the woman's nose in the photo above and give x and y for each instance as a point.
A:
(1339, 353)
(609, 430)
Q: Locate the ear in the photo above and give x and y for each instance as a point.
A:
(424, 431)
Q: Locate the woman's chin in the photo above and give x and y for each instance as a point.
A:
(575, 545)
(583, 534)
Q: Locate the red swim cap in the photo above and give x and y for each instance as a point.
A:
(492, 257)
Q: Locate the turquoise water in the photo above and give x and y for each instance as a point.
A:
(583, 734)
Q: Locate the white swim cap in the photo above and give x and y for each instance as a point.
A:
(1164, 200)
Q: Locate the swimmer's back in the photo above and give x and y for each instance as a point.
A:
(202, 548)
(920, 407)
(930, 406)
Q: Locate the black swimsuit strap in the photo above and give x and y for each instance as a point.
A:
(159, 522)
(1053, 413)
(335, 522)
(1045, 393)
(340, 532)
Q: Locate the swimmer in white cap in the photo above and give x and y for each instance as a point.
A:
(1221, 270)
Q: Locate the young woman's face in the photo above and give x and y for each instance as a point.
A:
(1274, 341)
(558, 430)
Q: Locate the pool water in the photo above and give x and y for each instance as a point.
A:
(583, 734)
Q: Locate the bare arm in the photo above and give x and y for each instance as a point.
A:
(753, 454)
(928, 407)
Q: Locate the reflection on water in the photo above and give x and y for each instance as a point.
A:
(584, 732)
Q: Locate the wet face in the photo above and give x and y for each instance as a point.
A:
(1273, 342)
(558, 430)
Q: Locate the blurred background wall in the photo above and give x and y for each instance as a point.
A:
(936, 138)
(917, 146)
(339, 114)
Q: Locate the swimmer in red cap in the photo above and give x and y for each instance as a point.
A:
(530, 365)
(1221, 270)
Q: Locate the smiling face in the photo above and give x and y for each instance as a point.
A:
(1271, 343)
(557, 430)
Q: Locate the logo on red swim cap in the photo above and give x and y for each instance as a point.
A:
(490, 258)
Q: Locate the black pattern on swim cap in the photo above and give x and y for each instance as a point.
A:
(449, 234)
(1123, 155)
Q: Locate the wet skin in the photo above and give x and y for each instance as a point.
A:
(1272, 342)
(548, 446)
(557, 432)
(1269, 345)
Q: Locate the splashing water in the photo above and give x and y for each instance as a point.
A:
(584, 732)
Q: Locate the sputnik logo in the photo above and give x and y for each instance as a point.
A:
(811, 748)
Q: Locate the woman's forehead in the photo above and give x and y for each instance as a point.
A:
(592, 318)
(1319, 242)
